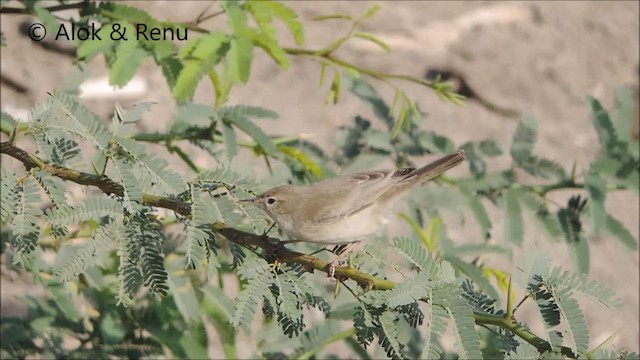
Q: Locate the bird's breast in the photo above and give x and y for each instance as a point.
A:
(356, 227)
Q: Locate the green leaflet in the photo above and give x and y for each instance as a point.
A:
(577, 324)
(198, 230)
(215, 296)
(230, 141)
(617, 229)
(219, 308)
(604, 127)
(437, 325)
(535, 262)
(570, 222)
(182, 290)
(488, 181)
(198, 57)
(408, 291)
(65, 113)
(449, 295)
(132, 193)
(237, 17)
(126, 12)
(151, 258)
(240, 57)
(434, 142)
(580, 283)
(475, 274)
(514, 228)
(247, 111)
(97, 247)
(264, 11)
(524, 138)
(128, 58)
(171, 68)
(388, 335)
(541, 214)
(415, 252)
(169, 182)
(623, 115)
(303, 159)
(88, 49)
(597, 194)
(315, 339)
(370, 97)
(334, 91)
(521, 151)
(129, 275)
(579, 252)
(192, 115)
(523, 351)
(373, 39)
(25, 226)
(259, 279)
(548, 310)
(194, 341)
(229, 176)
(286, 298)
(112, 329)
(475, 151)
(478, 300)
(240, 53)
(239, 119)
(350, 140)
(542, 167)
(45, 16)
(9, 192)
(270, 46)
(363, 323)
(465, 327)
(479, 212)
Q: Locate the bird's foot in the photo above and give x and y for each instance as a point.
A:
(331, 268)
(331, 272)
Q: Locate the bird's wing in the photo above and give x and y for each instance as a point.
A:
(354, 193)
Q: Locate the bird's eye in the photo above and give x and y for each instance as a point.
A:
(271, 201)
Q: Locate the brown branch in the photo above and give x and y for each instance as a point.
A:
(102, 182)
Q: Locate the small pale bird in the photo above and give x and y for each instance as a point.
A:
(346, 209)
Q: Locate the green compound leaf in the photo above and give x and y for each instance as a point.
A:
(597, 194)
(128, 58)
(198, 57)
(373, 39)
(617, 229)
(288, 17)
(239, 58)
(524, 139)
(604, 127)
(514, 227)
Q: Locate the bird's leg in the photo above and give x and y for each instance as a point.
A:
(331, 267)
(269, 229)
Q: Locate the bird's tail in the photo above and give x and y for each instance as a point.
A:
(437, 167)
(423, 174)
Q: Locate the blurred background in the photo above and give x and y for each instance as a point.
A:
(508, 58)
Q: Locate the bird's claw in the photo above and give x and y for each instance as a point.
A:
(331, 268)
(331, 271)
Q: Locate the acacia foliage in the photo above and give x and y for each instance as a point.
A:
(113, 249)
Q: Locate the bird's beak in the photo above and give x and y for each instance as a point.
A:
(246, 201)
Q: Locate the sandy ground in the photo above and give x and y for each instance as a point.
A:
(543, 58)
